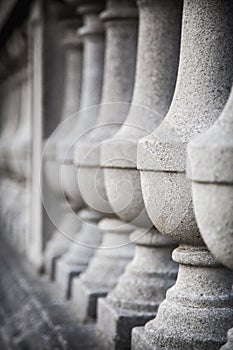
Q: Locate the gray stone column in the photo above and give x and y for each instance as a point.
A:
(92, 35)
(196, 310)
(210, 165)
(16, 49)
(121, 23)
(17, 155)
(143, 285)
(9, 118)
(11, 189)
(19, 162)
(58, 244)
(36, 27)
(10, 94)
(19, 152)
(15, 149)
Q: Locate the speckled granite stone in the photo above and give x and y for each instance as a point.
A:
(197, 311)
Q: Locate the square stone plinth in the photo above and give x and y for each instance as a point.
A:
(86, 299)
(50, 266)
(114, 326)
(64, 276)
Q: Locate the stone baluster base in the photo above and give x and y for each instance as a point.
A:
(76, 259)
(59, 243)
(197, 311)
(105, 268)
(140, 290)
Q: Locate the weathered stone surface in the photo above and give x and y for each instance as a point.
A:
(198, 310)
(165, 149)
(159, 37)
(138, 292)
(210, 305)
(210, 169)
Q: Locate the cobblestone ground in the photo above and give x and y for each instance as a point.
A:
(33, 315)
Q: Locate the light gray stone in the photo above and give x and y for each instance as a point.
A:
(61, 240)
(43, 117)
(92, 35)
(120, 20)
(159, 37)
(198, 310)
(105, 267)
(76, 259)
(67, 224)
(210, 169)
(8, 126)
(137, 295)
(18, 149)
(139, 291)
(209, 304)
(14, 160)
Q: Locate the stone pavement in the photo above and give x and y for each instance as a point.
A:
(33, 315)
